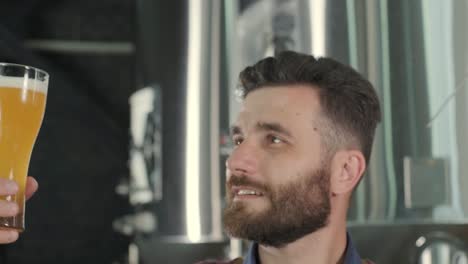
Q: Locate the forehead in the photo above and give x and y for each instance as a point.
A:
(286, 105)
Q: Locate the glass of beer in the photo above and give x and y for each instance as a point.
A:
(23, 92)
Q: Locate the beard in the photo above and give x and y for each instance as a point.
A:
(295, 209)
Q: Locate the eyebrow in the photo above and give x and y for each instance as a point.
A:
(235, 130)
(276, 127)
(263, 126)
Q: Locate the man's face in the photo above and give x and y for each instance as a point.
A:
(277, 175)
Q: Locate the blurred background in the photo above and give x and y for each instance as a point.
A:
(130, 157)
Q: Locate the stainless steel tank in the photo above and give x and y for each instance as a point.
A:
(179, 54)
(414, 52)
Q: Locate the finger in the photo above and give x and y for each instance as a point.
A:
(8, 209)
(8, 187)
(31, 187)
(7, 236)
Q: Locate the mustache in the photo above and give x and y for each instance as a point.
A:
(245, 181)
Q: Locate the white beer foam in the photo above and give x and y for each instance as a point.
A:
(24, 83)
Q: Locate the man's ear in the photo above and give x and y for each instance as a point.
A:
(347, 168)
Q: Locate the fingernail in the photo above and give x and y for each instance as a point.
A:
(13, 236)
(12, 186)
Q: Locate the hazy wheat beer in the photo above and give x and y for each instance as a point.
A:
(23, 93)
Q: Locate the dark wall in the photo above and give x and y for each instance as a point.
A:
(81, 152)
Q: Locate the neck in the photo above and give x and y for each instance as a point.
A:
(324, 246)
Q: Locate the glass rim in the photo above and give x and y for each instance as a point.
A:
(27, 67)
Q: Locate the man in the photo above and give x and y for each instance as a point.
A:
(9, 187)
(303, 139)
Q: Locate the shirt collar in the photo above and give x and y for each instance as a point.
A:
(252, 254)
(351, 254)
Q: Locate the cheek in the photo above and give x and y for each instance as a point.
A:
(291, 164)
(282, 167)
(269, 167)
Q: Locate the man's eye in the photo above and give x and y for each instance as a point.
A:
(274, 140)
(237, 141)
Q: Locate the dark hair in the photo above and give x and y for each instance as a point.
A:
(348, 100)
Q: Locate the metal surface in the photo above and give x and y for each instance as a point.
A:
(354, 32)
(440, 247)
(427, 183)
(415, 54)
(406, 243)
(81, 47)
(407, 50)
(184, 60)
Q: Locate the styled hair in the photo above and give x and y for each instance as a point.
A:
(348, 101)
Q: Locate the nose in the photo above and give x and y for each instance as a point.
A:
(243, 160)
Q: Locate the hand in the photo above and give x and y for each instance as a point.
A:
(9, 187)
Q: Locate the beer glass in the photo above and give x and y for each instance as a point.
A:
(23, 92)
